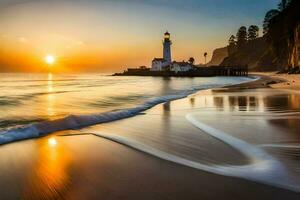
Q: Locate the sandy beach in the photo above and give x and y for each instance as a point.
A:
(285, 81)
(292, 82)
(149, 100)
(200, 162)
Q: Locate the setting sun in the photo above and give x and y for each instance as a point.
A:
(50, 59)
(52, 141)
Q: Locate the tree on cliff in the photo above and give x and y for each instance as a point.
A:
(269, 16)
(241, 37)
(232, 45)
(232, 40)
(276, 49)
(284, 4)
(253, 32)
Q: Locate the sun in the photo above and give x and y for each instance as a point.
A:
(50, 59)
(52, 141)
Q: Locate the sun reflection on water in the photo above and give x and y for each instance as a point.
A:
(50, 96)
(50, 82)
(49, 177)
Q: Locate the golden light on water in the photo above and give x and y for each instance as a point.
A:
(50, 59)
(50, 96)
(49, 177)
(50, 83)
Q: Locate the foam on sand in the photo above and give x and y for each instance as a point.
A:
(262, 167)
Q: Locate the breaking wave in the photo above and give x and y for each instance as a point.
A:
(79, 121)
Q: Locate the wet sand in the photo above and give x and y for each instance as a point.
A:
(84, 166)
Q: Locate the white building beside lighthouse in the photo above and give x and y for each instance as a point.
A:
(160, 64)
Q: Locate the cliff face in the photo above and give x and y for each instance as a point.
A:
(282, 35)
(218, 56)
(277, 50)
(256, 54)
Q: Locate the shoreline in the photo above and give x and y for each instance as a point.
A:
(265, 80)
(71, 122)
(280, 81)
(88, 167)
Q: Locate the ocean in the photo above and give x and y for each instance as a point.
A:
(32, 105)
(242, 135)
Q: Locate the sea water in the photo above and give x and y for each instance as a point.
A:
(32, 105)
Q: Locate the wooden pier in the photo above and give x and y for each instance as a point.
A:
(196, 72)
(230, 70)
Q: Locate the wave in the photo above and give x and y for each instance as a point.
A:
(110, 101)
(283, 146)
(290, 151)
(262, 167)
(6, 123)
(19, 99)
(79, 121)
(7, 101)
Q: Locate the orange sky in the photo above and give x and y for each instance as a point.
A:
(107, 36)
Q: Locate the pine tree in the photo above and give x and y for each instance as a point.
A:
(269, 16)
(284, 4)
(232, 40)
(242, 37)
(253, 32)
(232, 45)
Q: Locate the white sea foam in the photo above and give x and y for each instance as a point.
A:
(262, 167)
(79, 121)
(284, 146)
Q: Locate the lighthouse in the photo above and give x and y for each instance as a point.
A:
(167, 48)
(161, 64)
(165, 63)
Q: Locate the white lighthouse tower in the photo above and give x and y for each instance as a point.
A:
(161, 64)
(167, 48)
